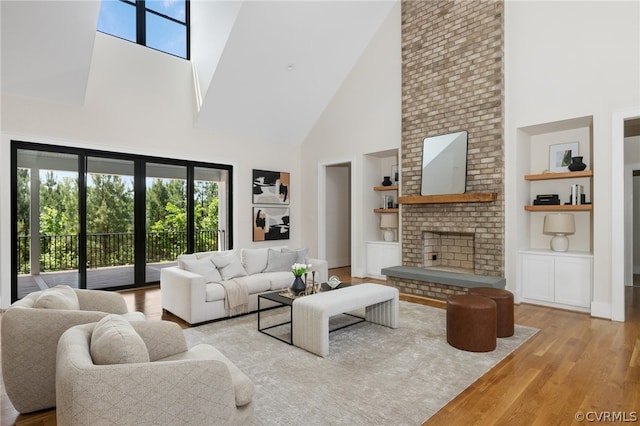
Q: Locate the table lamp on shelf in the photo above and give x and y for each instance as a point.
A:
(389, 222)
(559, 225)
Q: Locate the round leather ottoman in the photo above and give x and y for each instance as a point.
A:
(504, 304)
(471, 323)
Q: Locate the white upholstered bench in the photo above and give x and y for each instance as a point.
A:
(310, 328)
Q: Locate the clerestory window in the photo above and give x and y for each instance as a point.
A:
(160, 24)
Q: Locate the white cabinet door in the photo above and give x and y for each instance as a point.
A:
(537, 277)
(573, 281)
(381, 255)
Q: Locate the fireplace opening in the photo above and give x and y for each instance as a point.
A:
(449, 251)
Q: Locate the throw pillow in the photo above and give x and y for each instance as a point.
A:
(254, 260)
(114, 341)
(278, 261)
(204, 267)
(301, 254)
(229, 265)
(58, 297)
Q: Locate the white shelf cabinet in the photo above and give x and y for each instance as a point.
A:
(381, 254)
(557, 279)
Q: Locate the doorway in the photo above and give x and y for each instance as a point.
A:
(625, 152)
(338, 215)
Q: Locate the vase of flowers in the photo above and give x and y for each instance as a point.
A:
(298, 285)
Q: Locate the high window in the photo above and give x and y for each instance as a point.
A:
(104, 220)
(160, 24)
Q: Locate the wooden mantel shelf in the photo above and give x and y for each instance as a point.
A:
(467, 197)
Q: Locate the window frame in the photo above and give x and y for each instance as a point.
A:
(141, 25)
(140, 162)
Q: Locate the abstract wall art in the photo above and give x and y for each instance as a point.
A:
(270, 187)
(270, 223)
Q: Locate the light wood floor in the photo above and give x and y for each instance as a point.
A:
(575, 364)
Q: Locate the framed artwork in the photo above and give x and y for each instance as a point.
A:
(270, 223)
(270, 187)
(560, 156)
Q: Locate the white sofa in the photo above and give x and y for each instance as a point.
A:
(195, 289)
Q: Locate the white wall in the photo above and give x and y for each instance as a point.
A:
(363, 117)
(564, 60)
(146, 107)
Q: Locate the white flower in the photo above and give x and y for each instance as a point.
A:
(299, 269)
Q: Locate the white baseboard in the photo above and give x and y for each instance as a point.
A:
(601, 310)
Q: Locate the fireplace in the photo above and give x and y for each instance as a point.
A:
(449, 251)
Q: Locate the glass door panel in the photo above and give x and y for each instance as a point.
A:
(110, 223)
(166, 221)
(210, 206)
(47, 220)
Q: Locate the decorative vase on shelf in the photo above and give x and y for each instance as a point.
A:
(386, 181)
(297, 286)
(577, 165)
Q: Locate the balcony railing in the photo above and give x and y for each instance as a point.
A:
(60, 252)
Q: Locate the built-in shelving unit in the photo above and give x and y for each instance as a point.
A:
(551, 278)
(386, 210)
(467, 197)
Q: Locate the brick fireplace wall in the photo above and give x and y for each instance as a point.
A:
(453, 80)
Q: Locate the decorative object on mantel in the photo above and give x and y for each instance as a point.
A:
(298, 285)
(559, 225)
(389, 222)
(576, 164)
(386, 181)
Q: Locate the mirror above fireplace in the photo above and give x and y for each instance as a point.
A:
(444, 164)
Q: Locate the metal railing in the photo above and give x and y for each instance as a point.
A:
(60, 252)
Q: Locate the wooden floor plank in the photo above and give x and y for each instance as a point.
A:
(574, 363)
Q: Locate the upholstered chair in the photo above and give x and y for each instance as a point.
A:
(31, 328)
(141, 373)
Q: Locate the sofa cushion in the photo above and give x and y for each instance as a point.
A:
(229, 265)
(114, 341)
(58, 297)
(301, 254)
(254, 260)
(243, 386)
(278, 261)
(278, 280)
(203, 266)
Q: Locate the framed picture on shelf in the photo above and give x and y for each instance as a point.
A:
(271, 187)
(560, 156)
(270, 223)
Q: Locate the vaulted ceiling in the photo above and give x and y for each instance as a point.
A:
(266, 69)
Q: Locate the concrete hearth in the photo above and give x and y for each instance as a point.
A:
(437, 284)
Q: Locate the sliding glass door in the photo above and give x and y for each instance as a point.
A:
(46, 225)
(166, 217)
(110, 223)
(99, 220)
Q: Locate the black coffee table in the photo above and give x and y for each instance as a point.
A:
(275, 296)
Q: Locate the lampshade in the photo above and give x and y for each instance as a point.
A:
(389, 220)
(559, 223)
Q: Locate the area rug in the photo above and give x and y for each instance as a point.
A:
(373, 375)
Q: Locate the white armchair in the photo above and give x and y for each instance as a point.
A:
(175, 386)
(30, 337)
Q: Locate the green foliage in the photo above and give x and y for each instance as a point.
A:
(110, 219)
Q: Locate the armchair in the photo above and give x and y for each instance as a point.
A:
(176, 386)
(30, 338)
